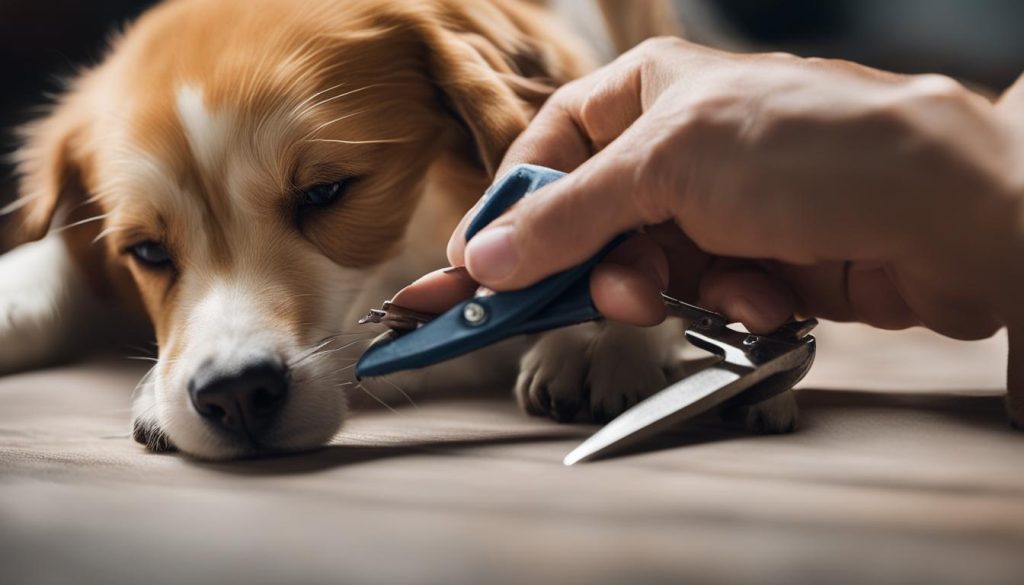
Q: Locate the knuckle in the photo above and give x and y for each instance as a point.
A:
(784, 57)
(656, 45)
(564, 98)
(590, 114)
(912, 109)
(651, 53)
(924, 95)
(563, 95)
(659, 178)
(599, 112)
(593, 104)
(937, 87)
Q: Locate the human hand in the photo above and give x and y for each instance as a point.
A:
(766, 185)
(872, 196)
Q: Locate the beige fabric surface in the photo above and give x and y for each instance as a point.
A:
(904, 470)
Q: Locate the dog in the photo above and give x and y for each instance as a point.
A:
(249, 176)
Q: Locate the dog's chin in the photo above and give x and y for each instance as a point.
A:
(214, 445)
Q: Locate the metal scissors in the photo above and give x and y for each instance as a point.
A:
(750, 368)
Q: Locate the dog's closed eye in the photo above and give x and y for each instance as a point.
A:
(151, 254)
(323, 194)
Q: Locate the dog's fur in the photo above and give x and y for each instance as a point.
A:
(201, 130)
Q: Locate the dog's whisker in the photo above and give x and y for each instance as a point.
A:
(316, 95)
(402, 392)
(141, 358)
(313, 351)
(146, 380)
(339, 96)
(106, 232)
(80, 222)
(325, 353)
(350, 333)
(330, 122)
(146, 412)
(118, 437)
(16, 205)
(319, 350)
(138, 348)
(327, 341)
(349, 344)
(375, 397)
(297, 114)
(380, 141)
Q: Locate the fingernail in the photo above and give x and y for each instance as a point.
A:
(456, 270)
(458, 273)
(491, 255)
(742, 310)
(759, 316)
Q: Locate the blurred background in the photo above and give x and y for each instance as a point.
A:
(977, 41)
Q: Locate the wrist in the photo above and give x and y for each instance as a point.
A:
(992, 224)
(1013, 301)
(1008, 280)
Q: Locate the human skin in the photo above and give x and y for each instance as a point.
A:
(765, 186)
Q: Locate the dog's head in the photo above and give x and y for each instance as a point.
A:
(253, 165)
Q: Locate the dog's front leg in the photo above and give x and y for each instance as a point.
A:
(44, 305)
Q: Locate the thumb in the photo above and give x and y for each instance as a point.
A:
(566, 222)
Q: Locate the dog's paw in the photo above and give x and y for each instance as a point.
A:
(776, 415)
(552, 374)
(32, 303)
(594, 371)
(625, 368)
(44, 304)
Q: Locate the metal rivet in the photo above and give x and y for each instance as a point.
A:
(474, 313)
(704, 323)
(750, 340)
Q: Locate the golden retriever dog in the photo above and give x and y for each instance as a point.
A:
(252, 175)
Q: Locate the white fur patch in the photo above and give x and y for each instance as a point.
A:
(41, 294)
(207, 131)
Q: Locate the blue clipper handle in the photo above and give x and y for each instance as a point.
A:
(559, 300)
(516, 184)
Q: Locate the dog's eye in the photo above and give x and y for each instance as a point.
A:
(151, 254)
(323, 194)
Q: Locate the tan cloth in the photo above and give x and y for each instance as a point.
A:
(904, 470)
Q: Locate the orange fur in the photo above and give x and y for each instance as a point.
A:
(405, 62)
(415, 101)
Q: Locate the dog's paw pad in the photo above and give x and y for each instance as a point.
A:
(550, 381)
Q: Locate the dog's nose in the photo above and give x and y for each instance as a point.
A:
(243, 402)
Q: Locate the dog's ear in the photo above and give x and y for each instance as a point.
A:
(49, 174)
(495, 65)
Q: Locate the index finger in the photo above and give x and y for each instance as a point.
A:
(437, 291)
